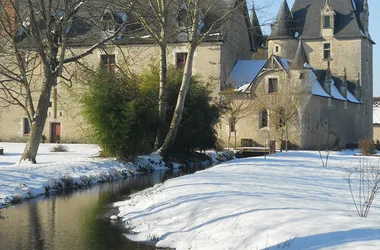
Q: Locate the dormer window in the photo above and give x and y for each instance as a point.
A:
(327, 22)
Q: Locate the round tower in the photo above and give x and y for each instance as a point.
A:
(283, 40)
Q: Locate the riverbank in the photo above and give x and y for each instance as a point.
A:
(287, 201)
(77, 167)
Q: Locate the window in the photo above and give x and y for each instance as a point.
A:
(272, 85)
(276, 48)
(108, 62)
(281, 118)
(326, 51)
(326, 22)
(264, 118)
(26, 126)
(232, 122)
(302, 76)
(181, 60)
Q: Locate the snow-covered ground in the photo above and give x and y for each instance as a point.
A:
(287, 201)
(79, 166)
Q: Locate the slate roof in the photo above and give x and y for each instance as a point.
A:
(86, 28)
(307, 16)
(283, 26)
(300, 58)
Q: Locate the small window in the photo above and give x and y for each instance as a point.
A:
(60, 113)
(302, 76)
(181, 60)
(232, 123)
(327, 22)
(26, 126)
(108, 62)
(272, 85)
(326, 51)
(264, 118)
(281, 118)
(277, 49)
(50, 104)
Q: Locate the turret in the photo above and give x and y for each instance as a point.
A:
(260, 39)
(282, 41)
(300, 58)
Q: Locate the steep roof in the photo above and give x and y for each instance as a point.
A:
(282, 27)
(307, 14)
(256, 28)
(300, 58)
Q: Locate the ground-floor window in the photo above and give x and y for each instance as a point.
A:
(26, 126)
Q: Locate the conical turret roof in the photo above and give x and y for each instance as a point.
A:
(282, 27)
(256, 28)
(300, 58)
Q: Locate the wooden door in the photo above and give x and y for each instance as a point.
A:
(55, 132)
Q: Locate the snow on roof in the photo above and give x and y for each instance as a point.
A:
(285, 63)
(245, 71)
(376, 115)
(335, 92)
(351, 97)
(243, 88)
(317, 88)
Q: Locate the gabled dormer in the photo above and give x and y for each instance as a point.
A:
(327, 20)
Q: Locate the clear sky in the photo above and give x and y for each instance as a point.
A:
(267, 11)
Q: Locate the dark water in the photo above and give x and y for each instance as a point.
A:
(74, 220)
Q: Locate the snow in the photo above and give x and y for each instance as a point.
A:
(317, 88)
(351, 97)
(256, 203)
(335, 92)
(243, 88)
(376, 115)
(78, 167)
(285, 63)
(245, 71)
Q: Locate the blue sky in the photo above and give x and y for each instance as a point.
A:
(268, 11)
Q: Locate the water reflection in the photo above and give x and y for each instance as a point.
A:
(73, 220)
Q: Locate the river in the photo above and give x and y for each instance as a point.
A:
(76, 219)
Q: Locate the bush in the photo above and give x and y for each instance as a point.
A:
(366, 146)
(123, 111)
(122, 114)
(59, 148)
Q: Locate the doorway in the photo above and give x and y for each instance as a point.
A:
(55, 136)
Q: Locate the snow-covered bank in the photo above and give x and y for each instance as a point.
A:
(287, 201)
(57, 170)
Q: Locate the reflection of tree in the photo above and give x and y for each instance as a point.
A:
(36, 240)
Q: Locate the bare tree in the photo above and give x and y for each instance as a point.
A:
(282, 106)
(326, 139)
(365, 187)
(34, 43)
(194, 33)
(237, 106)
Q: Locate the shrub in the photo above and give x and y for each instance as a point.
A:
(59, 148)
(122, 114)
(123, 111)
(366, 146)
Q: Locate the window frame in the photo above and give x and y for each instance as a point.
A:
(327, 50)
(325, 18)
(108, 64)
(272, 88)
(25, 126)
(263, 125)
(180, 64)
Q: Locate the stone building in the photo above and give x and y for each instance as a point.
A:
(316, 86)
(136, 50)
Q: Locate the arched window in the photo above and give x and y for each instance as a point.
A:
(263, 118)
(281, 118)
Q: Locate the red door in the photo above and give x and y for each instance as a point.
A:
(55, 132)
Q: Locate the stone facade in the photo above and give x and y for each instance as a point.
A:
(213, 62)
(335, 109)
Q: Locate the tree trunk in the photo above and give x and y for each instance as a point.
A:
(162, 99)
(39, 119)
(177, 117)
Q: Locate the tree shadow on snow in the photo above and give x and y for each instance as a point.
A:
(331, 239)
